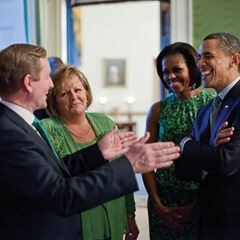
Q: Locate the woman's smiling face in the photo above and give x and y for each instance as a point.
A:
(176, 73)
(71, 97)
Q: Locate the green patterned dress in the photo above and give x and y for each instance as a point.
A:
(175, 122)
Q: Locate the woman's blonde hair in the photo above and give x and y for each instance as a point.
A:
(65, 72)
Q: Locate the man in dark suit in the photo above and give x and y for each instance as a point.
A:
(217, 168)
(41, 195)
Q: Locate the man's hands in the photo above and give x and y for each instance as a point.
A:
(112, 144)
(144, 157)
(147, 157)
(223, 135)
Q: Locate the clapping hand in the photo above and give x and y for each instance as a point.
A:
(113, 144)
(145, 157)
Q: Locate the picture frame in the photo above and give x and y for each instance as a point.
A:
(114, 72)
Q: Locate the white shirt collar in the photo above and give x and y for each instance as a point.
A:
(22, 112)
(225, 91)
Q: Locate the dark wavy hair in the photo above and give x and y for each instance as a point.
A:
(189, 54)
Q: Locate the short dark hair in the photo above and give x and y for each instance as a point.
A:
(227, 42)
(16, 61)
(189, 54)
(55, 63)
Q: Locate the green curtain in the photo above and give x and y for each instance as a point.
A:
(215, 16)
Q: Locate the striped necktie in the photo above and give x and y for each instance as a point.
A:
(44, 134)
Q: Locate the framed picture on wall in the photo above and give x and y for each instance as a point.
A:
(114, 72)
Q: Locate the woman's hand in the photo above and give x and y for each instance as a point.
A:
(223, 135)
(133, 230)
(186, 212)
(170, 216)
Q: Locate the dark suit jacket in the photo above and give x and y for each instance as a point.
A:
(220, 190)
(40, 197)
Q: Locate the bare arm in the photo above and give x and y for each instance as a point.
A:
(149, 179)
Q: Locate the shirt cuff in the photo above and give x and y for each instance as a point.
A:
(182, 143)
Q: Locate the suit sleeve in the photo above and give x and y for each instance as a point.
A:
(222, 160)
(84, 160)
(30, 174)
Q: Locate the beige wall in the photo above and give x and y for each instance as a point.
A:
(121, 31)
(128, 30)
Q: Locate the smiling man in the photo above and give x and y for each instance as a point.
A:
(217, 168)
(41, 195)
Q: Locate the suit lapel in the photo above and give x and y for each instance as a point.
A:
(19, 122)
(226, 108)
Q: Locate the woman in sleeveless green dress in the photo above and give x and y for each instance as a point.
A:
(171, 201)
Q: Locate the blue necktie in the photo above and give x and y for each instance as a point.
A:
(43, 132)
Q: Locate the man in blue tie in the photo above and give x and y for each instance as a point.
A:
(216, 168)
(40, 195)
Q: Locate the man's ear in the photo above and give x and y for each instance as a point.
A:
(27, 82)
(235, 60)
